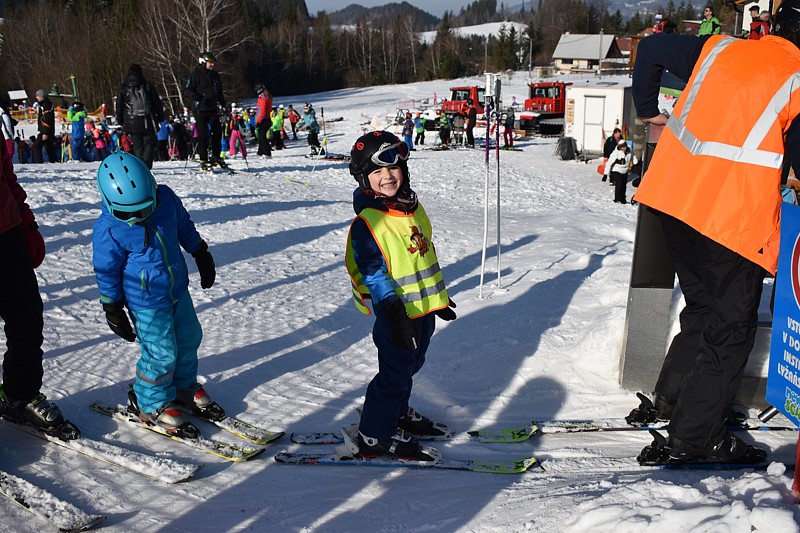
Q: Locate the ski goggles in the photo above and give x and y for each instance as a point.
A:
(134, 216)
(389, 155)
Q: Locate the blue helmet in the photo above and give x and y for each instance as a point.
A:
(127, 187)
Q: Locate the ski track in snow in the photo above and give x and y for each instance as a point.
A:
(284, 348)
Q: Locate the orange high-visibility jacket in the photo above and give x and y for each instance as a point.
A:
(717, 166)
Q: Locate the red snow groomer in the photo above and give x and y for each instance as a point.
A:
(459, 97)
(544, 109)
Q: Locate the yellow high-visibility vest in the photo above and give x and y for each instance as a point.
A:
(406, 245)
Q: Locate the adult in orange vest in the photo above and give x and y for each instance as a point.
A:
(715, 179)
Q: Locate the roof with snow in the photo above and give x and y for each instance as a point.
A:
(583, 46)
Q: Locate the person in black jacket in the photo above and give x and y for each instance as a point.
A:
(47, 129)
(472, 120)
(139, 109)
(205, 89)
(609, 146)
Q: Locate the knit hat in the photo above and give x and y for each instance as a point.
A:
(622, 142)
(40, 93)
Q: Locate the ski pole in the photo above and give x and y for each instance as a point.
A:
(497, 157)
(487, 110)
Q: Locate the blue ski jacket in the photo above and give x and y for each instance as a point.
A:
(142, 264)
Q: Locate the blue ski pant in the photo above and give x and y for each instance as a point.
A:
(169, 338)
(77, 148)
(389, 391)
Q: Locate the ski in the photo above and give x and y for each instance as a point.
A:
(470, 465)
(59, 513)
(305, 184)
(585, 465)
(224, 450)
(502, 435)
(158, 468)
(242, 429)
(582, 426)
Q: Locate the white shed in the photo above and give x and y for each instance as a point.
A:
(592, 112)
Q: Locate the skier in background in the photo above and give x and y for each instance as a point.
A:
(139, 111)
(263, 121)
(141, 229)
(408, 131)
(392, 233)
(205, 89)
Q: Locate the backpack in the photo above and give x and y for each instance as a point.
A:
(139, 103)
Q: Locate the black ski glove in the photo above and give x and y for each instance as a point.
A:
(447, 313)
(117, 320)
(205, 264)
(403, 331)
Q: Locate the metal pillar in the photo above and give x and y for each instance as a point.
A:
(647, 321)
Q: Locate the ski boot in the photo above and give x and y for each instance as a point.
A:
(167, 417)
(39, 412)
(674, 452)
(205, 166)
(196, 399)
(422, 427)
(400, 446)
(219, 163)
(648, 412)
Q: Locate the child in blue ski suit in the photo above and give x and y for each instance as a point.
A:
(391, 260)
(139, 264)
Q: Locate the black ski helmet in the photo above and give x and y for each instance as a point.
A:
(787, 21)
(207, 57)
(376, 150)
(259, 88)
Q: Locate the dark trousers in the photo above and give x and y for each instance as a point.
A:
(389, 391)
(264, 129)
(162, 150)
(313, 139)
(144, 146)
(21, 310)
(420, 138)
(204, 120)
(48, 144)
(620, 182)
(705, 361)
(470, 136)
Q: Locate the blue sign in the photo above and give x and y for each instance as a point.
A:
(783, 380)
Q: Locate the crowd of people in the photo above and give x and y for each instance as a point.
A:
(210, 131)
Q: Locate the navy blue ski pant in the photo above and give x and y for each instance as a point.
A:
(703, 368)
(388, 392)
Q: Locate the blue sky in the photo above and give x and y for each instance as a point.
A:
(434, 8)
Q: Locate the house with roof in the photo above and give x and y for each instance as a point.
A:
(576, 51)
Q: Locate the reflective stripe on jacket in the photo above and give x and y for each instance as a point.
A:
(720, 172)
(407, 249)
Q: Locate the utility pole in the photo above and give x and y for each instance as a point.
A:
(530, 57)
(600, 58)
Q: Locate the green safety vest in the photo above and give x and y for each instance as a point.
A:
(405, 242)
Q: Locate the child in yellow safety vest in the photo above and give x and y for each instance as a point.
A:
(392, 261)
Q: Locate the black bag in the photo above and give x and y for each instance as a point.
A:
(138, 101)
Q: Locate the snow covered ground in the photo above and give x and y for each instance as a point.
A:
(285, 348)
